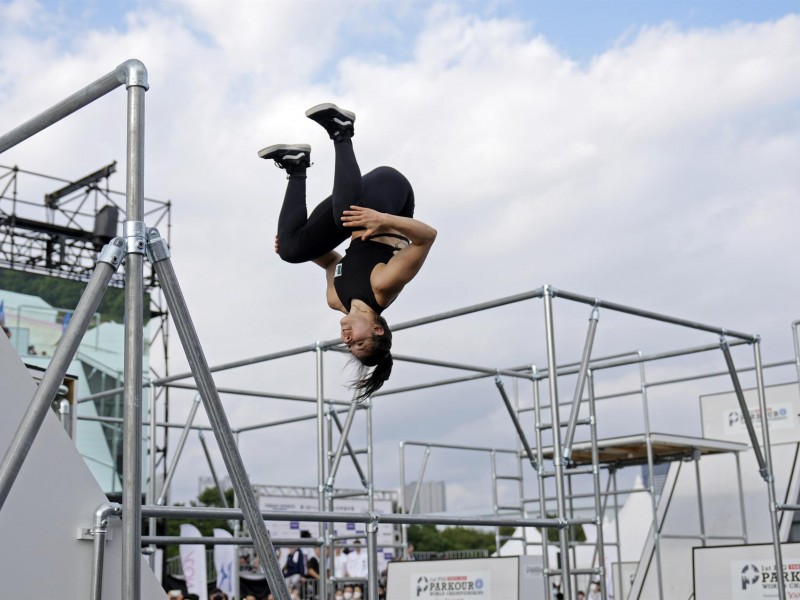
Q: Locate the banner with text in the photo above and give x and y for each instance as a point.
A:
(745, 572)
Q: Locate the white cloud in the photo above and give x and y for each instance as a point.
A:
(661, 175)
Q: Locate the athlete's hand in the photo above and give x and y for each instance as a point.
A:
(276, 244)
(359, 216)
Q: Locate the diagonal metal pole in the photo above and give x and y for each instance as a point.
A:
(420, 476)
(160, 257)
(344, 432)
(737, 387)
(499, 383)
(212, 469)
(178, 451)
(108, 261)
(569, 436)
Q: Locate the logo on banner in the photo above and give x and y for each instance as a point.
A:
(452, 586)
(779, 416)
(750, 575)
(760, 580)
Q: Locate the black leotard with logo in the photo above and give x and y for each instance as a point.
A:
(352, 278)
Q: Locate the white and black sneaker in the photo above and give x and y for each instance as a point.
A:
(336, 121)
(288, 156)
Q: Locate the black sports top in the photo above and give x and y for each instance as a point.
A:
(352, 278)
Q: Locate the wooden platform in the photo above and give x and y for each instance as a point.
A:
(632, 449)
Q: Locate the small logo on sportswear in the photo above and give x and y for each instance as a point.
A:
(338, 270)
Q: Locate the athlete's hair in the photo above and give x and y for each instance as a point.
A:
(381, 358)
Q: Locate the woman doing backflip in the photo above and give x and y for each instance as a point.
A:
(387, 245)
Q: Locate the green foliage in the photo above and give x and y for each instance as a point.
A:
(65, 293)
(208, 497)
(427, 538)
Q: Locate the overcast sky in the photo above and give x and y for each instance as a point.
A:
(639, 152)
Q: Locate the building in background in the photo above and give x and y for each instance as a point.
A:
(51, 231)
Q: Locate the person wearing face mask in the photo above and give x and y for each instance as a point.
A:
(357, 593)
(348, 592)
(339, 595)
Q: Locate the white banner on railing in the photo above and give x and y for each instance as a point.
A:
(193, 561)
(223, 562)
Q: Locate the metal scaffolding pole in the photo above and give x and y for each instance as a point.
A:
(520, 432)
(76, 101)
(653, 504)
(322, 529)
(769, 477)
(211, 468)
(344, 432)
(160, 257)
(569, 435)
(566, 584)
(647, 314)
(134, 342)
(751, 431)
(178, 451)
(599, 510)
(420, 477)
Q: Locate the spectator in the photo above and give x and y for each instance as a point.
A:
(594, 591)
(409, 555)
(312, 567)
(338, 595)
(357, 562)
(581, 595)
(348, 592)
(339, 563)
(357, 594)
(295, 567)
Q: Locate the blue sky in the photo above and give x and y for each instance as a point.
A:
(578, 28)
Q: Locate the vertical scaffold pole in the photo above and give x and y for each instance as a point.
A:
(151, 484)
(599, 510)
(537, 411)
(769, 477)
(650, 459)
(134, 338)
(321, 489)
(558, 465)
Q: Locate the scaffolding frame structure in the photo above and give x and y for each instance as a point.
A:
(140, 243)
(568, 574)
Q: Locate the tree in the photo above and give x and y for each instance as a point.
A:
(208, 497)
(427, 538)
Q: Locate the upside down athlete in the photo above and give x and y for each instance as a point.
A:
(387, 245)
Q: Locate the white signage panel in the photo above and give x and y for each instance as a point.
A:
(723, 418)
(463, 579)
(292, 529)
(745, 572)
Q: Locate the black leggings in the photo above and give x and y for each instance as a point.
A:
(302, 238)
